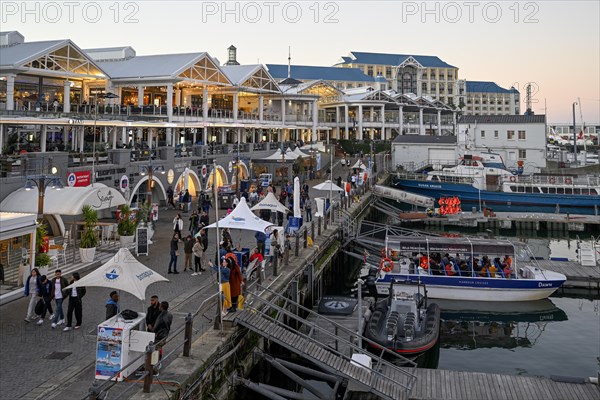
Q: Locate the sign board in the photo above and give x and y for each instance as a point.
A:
(141, 245)
(204, 171)
(108, 352)
(170, 176)
(124, 183)
(294, 224)
(79, 178)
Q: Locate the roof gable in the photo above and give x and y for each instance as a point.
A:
(358, 57)
(310, 72)
(487, 87)
(251, 77)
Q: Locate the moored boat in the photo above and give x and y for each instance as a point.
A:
(403, 321)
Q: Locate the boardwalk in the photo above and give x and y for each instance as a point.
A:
(577, 275)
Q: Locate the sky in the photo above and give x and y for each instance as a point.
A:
(555, 45)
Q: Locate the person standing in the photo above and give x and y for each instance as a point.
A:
(206, 205)
(162, 328)
(261, 238)
(204, 220)
(33, 289)
(308, 208)
(186, 200)
(204, 242)
(188, 245)
(225, 271)
(198, 252)
(75, 304)
(178, 224)
(235, 281)
(46, 292)
(174, 253)
(194, 223)
(58, 284)
(152, 313)
(170, 197)
(112, 304)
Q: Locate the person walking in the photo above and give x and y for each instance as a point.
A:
(161, 329)
(198, 251)
(206, 205)
(33, 289)
(308, 208)
(235, 281)
(174, 253)
(112, 304)
(171, 197)
(178, 224)
(46, 292)
(225, 271)
(152, 313)
(58, 284)
(188, 245)
(75, 304)
(204, 242)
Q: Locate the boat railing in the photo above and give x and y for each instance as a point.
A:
(445, 177)
(559, 180)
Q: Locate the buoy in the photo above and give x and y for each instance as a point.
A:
(386, 264)
(512, 179)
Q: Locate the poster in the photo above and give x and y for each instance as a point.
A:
(108, 351)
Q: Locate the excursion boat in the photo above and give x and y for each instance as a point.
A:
(456, 269)
(483, 181)
(403, 322)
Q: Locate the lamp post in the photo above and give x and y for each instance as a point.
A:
(331, 151)
(150, 170)
(42, 181)
(574, 135)
(108, 95)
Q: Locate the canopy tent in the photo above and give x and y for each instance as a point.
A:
(277, 156)
(122, 272)
(358, 164)
(242, 218)
(65, 201)
(300, 153)
(327, 186)
(270, 202)
(317, 146)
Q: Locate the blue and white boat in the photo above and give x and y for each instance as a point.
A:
(451, 268)
(483, 181)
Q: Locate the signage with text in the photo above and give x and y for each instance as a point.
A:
(79, 178)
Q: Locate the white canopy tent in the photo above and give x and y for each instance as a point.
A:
(270, 202)
(359, 164)
(65, 201)
(277, 156)
(122, 272)
(300, 153)
(242, 218)
(327, 186)
(317, 146)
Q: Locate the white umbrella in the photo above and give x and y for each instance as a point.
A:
(122, 272)
(297, 213)
(270, 202)
(242, 218)
(358, 164)
(328, 185)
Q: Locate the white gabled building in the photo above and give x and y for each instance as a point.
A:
(515, 137)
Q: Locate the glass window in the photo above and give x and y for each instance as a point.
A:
(388, 72)
(522, 135)
(496, 135)
(370, 70)
(482, 134)
(522, 154)
(510, 135)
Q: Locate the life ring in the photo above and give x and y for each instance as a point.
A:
(552, 180)
(568, 181)
(386, 264)
(512, 179)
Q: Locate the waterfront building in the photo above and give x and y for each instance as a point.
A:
(487, 98)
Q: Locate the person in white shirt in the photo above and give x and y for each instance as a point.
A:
(59, 283)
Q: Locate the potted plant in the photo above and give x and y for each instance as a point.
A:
(126, 227)
(89, 239)
(144, 218)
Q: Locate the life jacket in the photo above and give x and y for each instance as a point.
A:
(424, 262)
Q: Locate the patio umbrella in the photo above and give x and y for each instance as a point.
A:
(270, 202)
(242, 218)
(122, 272)
(328, 185)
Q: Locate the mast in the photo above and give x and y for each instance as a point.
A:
(289, 62)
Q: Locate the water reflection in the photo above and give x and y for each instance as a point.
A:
(469, 326)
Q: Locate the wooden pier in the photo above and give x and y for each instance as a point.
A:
(578, 276)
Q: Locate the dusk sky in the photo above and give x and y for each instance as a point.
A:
(554, 44)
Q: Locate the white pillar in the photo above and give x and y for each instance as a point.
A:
(261, 106)
(382, 136)
(170, 101)
(205, 136)
(454, 122)
(140, 95)
(346, 122)
(150, 135)
(194, 136)
(1, 137)
(337, 122)
(10, 92)
(439, 123)
(372, 114)
(315, 114)
(236, 106)
(114, 137)
(205, 103)
(421, 126)
(80, 138)
(43, 137)
(124, 136)
(177, 97)
(401, 119)
(360, 123)
(67, 97)
(223, 138)
(282, 111)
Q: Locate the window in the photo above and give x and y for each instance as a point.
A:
(510, 135)
(424, 86)
(388, 72)
(496, 135)
(370, 70)
(482, 134)
(522, 135)
(449, 90)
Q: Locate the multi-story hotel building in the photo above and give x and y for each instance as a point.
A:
(487, 98)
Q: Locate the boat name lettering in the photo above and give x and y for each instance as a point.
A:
(425, 185)
(542, 284)
(473, 282)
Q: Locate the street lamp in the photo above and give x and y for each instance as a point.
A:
(574, 135)
(108, 95)
(150, 169)
(42, 181)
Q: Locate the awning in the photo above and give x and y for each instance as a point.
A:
(277, 156)
(270, 202)
(66, 201)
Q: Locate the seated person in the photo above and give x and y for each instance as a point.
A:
(450, 269)
(507, 271)
(492, 270)
(483, 272)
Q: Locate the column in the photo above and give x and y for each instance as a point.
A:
(454, 122)
(439, 122)
(346, 122)
(73, 132)
(359, 136)
(10, 92)
(124, 136)
(140, 95)
(261, 106)
(223, 138)
(67, 97)
(337, 122)
(80, 133)
(205, 135)
(401, 119)
(43, 137)
(169, 137)
(170, 101)
(1, 137)
(382, 136)
(194, 136)
(105, 135)
(421, 126)
(236, 106)
(372, 114)
(205, 105)
(150, 135)
(177, 97)
(282, 111)
(315, 115)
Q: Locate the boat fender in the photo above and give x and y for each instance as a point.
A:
(386, 264)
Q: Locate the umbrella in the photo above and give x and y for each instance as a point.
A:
(242, 218)
(297, 213)
(270, 202)
(122, 272)
(358, 164)
(328, 185)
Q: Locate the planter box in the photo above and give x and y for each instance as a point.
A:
(127, 241)
(87, 255)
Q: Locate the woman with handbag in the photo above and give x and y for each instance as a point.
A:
(174, 253)
(33, 287)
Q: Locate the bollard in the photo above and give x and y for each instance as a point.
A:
(319, 226)
(187, 346)
(275, 262)
(312, 231)
(297, 249)
(286, 256)
(148, 367)
(305, 233)
(325, 220)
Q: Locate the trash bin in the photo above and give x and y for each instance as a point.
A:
(226, 199)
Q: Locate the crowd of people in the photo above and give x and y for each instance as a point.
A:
(436, 264)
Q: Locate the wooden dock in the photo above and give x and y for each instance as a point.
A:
(578, 276)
